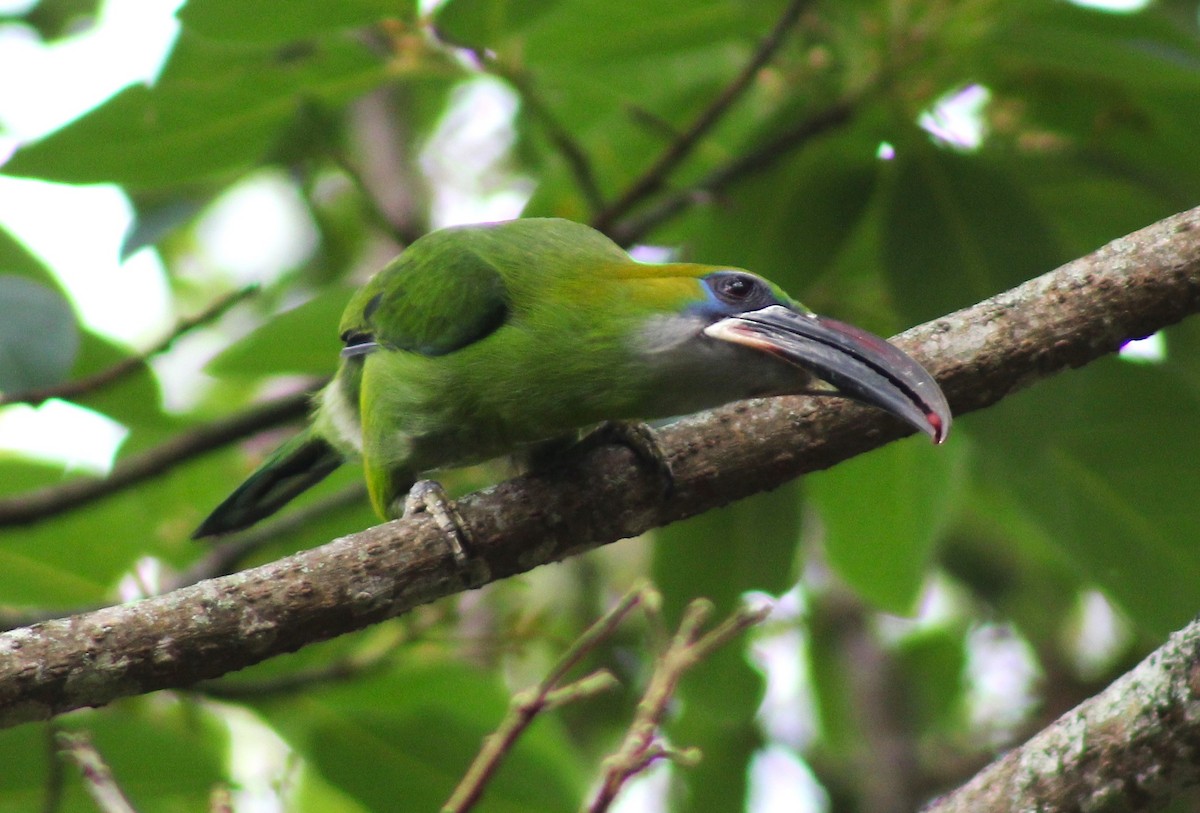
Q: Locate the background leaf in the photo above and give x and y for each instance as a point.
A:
(38, 335)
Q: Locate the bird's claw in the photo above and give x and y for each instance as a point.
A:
(429, 497)
(639, 438)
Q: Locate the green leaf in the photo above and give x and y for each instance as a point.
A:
(56, 19)
(38, 335)
(628, 91)
(15, 258)
(135, 400)
(948, 238)
(302, 340)
(933, 665)
(1116, 93)
(285, 20)
(484, 23)
(418, 727)
(883, 512)
(24, 780)
(721, 554)
(1096, 457)
(166, 756)
(217, 108)
(1146, 49)
(817, 201)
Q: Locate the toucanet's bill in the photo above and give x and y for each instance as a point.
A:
(479, 341)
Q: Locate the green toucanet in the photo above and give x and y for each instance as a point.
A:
(480, 341)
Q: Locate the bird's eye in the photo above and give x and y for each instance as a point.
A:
(734, 288)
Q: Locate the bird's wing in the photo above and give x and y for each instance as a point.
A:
(437, 297)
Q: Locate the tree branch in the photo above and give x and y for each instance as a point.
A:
(631, 229)
(677, 151)
(1132, 747)
(33, 506)
(128, 366)
(1086, 309)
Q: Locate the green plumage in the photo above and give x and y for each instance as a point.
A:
(479, 340)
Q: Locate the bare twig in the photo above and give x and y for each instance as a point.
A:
(641, 746)
(222, 559)
(221, 800)
(339, 671)
(652, 180)
(128, 366)
(33, 506)
(371, 203)
(547, 694)
(55, 776)
(97, 777)
(568, 147)
(571, 150)
(1066, 318)
(633, 228)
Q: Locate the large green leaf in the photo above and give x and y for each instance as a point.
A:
(750, 545)
(792, 223)
(217, 108)
(284, 20)
(38, 335)
(882, 513)
(166, 757)
(404, 738)
(626, 83)
(721, 555)
(1117, 92)
(15, 258)
(1099, 459)
(958, 229)
(1148, 49)
(302, 340)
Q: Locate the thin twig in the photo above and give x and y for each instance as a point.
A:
(631, 229)
(641, 746)
(97, 777)
(34, 506)
(221, 800)
(547, 694)
(339, 671)
(222, 559)
(571, 150)
(371, 203)
(55, 776)
(130, 365)
(677, 151)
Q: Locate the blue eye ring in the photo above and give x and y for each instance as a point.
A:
(738, 291)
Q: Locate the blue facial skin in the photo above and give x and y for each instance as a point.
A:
(729, 293)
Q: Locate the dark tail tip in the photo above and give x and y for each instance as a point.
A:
(298, 465)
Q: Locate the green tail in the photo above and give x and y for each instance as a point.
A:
(295, 466)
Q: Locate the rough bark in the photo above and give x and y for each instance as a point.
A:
(1130, 748)
(1087, 308)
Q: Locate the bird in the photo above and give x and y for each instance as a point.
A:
(495, 339)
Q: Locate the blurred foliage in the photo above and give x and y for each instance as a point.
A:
(1080, 484)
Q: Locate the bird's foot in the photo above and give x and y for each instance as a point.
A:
(639, 438)
(429, 497)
